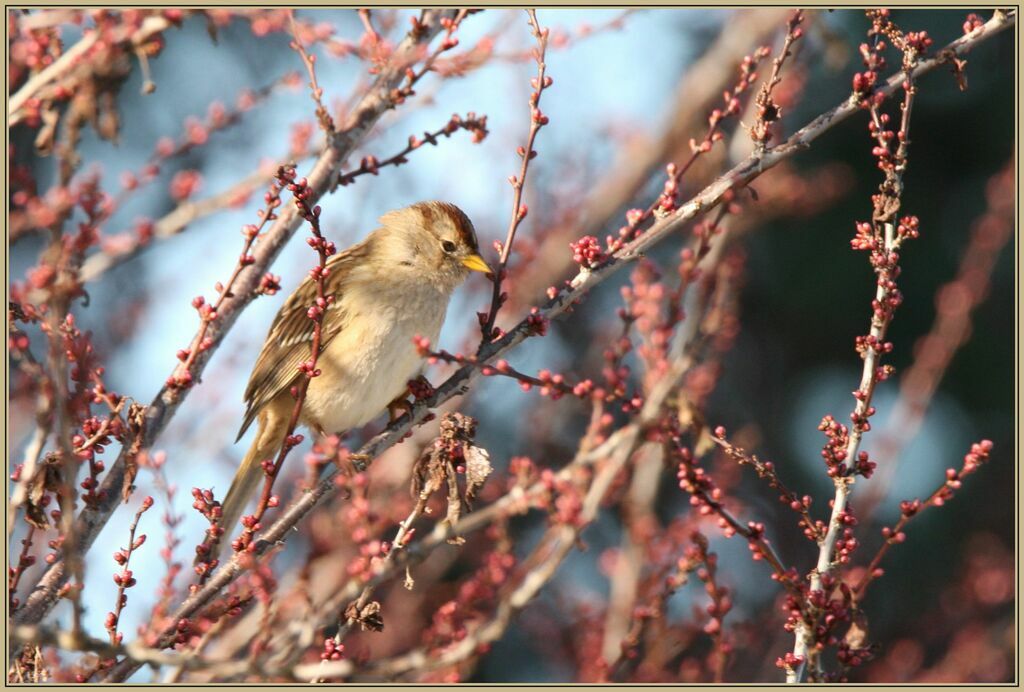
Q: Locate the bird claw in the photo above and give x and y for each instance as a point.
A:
(398, 407)
(359, 461)
(420, 389)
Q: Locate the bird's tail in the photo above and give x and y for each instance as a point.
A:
(249, 476)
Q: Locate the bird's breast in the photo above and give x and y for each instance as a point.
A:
(373, 357)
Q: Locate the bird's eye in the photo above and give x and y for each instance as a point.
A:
(448, 246)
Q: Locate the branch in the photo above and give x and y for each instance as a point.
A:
(174, 222)
(527, 153)
(558, 542)
(955, 303)
(768, 111)
(124, 579)
(37, 82)
(178, 219)
(882, 238)
(518, 501)
(978, 455)
(699, 89)
(375, 102)
(151, 26)
(324, 250)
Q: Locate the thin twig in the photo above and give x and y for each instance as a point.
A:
(375, 102)
(884, 244)
(978, 455)
(151, 26)
(461, 381)
(527, 153)
(585, 281)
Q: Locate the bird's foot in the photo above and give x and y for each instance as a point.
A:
(359, 461)
(398, 407)
(421, 389)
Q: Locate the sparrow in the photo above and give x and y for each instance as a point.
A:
(388, 289)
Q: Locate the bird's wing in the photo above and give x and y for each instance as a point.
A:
(290, 338)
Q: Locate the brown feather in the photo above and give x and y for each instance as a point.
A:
(290, 338)
(433, 212)
(288, 343)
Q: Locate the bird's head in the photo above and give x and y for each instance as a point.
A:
(435, 240)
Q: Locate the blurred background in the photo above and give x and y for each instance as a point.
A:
(630, 89)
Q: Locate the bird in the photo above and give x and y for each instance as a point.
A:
(389, 289)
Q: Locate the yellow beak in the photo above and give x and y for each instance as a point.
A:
(476, 263)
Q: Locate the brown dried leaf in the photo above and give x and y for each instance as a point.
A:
(691, 418)
(36, 516)
(454, 504)
(44, 139)
(369, 617)
(857, 635)
(427, 475)
(136, 421)
(47, 478)
(478, 468)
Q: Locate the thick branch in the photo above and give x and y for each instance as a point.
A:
(65, 63)
(373, 105)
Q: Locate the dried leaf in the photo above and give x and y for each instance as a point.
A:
(478, 468)
(454, 504)
(44, 139)
(369, 617)
(36, 516)
(427, 475)
(47, 478)
(211, 29)
(857, 635)
(692, 419)
(453, 445)
(136, 422)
